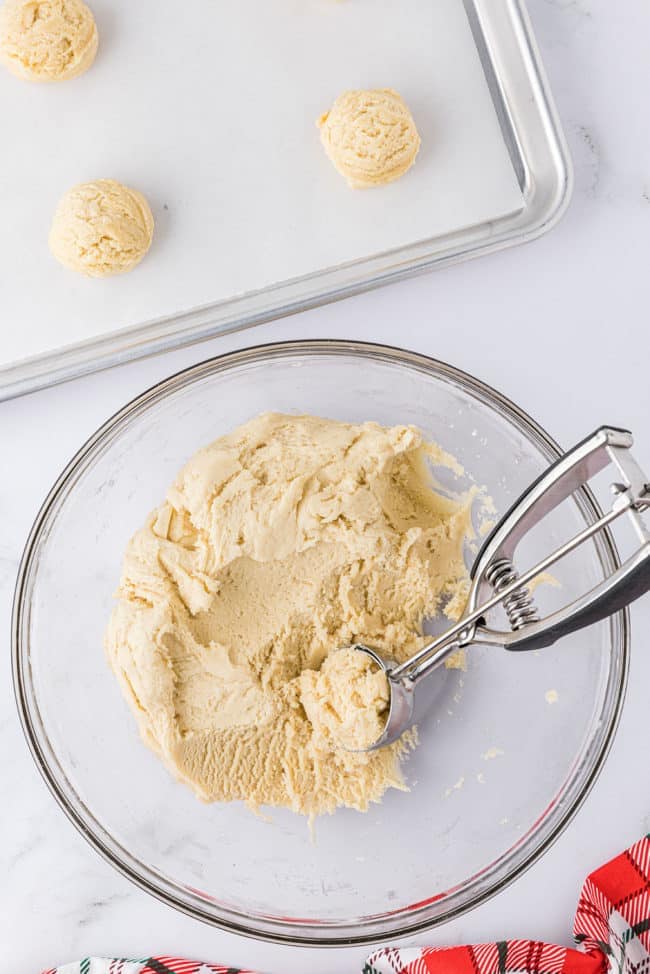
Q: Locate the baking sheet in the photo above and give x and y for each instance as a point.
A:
(209, 109)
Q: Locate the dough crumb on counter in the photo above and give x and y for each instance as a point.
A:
(277, 545)
(455, 787)
(492, 753)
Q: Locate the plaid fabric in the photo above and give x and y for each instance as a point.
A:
(150, 965)
(611, 930)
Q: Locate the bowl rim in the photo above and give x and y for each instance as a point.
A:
(407, 920)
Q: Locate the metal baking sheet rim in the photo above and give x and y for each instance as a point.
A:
(532, 131)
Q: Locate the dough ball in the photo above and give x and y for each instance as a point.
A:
(47, 40)
(101, 228)
(370, 136)
(347, 701)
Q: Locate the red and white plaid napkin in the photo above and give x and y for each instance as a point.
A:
(611, 930)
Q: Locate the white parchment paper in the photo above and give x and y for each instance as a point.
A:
(209, 109)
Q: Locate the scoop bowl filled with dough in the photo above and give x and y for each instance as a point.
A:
(467, 808)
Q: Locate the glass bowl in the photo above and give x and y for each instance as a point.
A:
(499, 771)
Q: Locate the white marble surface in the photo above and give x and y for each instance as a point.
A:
(561, 326)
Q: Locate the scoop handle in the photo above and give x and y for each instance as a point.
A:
(629, 582)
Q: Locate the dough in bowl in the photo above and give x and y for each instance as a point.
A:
(370, 136)
(47, 40)
(277, 545)
(101, 228)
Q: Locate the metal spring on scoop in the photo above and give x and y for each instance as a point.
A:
(520, 606)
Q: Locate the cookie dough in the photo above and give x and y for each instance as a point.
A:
(47, 40)
(370, 136)
(276, 545)
(101, 228)
(346, 701)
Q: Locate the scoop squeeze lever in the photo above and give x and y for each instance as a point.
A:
(495, 580)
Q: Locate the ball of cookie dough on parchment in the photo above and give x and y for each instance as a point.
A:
(47, 40)
(370, 136)
(101, 228)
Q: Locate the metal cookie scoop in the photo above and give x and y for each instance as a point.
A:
(495, 578)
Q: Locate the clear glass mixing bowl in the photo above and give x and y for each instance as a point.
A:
(474, 818)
